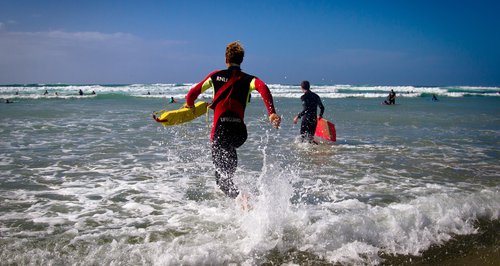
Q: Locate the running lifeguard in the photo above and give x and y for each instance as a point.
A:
(232, 89)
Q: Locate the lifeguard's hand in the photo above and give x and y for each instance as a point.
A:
(295, 119)
(187, 106)
(275, 120)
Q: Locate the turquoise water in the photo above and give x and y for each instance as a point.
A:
(94, 180)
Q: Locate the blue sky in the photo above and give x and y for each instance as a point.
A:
(327, 42)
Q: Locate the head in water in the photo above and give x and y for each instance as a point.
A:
(234, 53)
(305, 85)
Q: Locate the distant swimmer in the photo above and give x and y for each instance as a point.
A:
(46, 92)
(231, 89)
(391, 98)
(80, 92)
(93, 92)
(310, 103)
(172, 100)
(434, 98)
(8, 101)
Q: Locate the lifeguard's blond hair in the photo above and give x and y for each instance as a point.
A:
(235, 53)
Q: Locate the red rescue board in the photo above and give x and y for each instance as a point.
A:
(326, 130)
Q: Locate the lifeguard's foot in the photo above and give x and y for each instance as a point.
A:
(242, 199)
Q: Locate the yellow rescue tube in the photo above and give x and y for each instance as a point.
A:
(179, 116)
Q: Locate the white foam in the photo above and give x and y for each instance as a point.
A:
(140, 208)
(179, 91)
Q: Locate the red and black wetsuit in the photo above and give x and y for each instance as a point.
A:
(310, 103)
(229, 130)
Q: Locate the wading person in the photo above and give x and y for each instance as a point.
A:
(310, 103)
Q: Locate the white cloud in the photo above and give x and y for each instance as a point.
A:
(3, 25)
(87, 57)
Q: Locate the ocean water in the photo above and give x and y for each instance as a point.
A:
(94, 180)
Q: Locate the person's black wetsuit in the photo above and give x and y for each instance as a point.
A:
(310, 103)
(391, 98)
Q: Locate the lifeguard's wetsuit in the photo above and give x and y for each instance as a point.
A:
(229, 130)
(310, 103)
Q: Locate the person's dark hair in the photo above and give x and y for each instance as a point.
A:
(235, 53)
(305, 85)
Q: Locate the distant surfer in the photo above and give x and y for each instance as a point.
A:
(80, 92)
(434, 98)
(232, 88)
(310, 103)
(46, 92)
(172, 100)
(391, 98)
